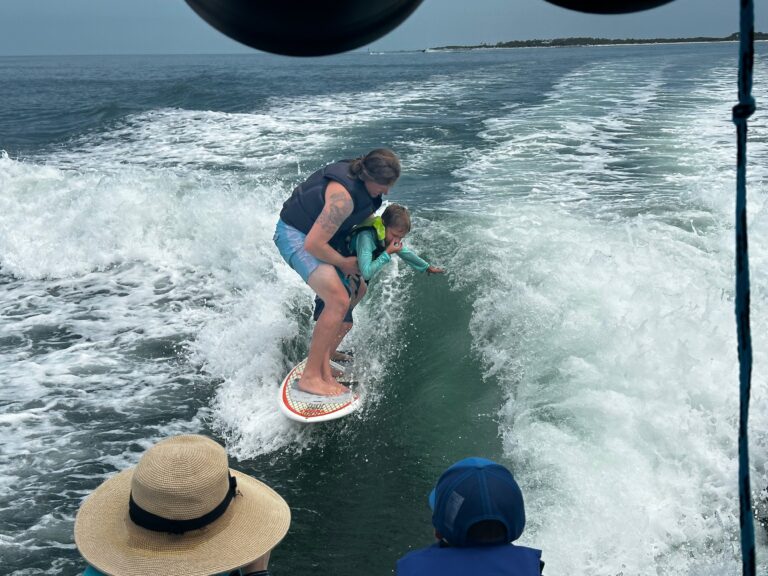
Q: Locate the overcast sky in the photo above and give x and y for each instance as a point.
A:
(171, 27)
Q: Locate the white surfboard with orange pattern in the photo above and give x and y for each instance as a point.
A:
(302, 407)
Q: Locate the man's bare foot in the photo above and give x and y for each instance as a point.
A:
(321, 387)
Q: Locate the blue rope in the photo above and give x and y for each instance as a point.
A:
(741, 112)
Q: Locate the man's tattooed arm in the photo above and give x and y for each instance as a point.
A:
(338, 207)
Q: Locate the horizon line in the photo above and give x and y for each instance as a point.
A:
(367, 49)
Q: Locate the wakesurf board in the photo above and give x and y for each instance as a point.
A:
(304, 407)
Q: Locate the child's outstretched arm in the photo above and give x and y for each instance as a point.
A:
(414, 261)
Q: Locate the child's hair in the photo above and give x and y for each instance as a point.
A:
(380, 165)
(397, 216)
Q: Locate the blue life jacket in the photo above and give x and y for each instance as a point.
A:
(501, 560)
(308, 199)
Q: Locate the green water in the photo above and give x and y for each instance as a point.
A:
(359, 501)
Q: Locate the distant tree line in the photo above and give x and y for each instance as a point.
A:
(588, 41)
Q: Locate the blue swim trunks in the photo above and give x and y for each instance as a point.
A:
(290, 243)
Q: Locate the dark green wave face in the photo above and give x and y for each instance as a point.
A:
(579, 198)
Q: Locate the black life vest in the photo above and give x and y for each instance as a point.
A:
(303, 207)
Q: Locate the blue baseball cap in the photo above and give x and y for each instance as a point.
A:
(473, 490)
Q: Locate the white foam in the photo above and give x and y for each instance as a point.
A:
(610, 326)
(288, 132)
(157, 232)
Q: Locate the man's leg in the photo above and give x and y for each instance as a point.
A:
(317, 378)
(345, 328)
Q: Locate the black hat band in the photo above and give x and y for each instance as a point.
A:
(156, 523)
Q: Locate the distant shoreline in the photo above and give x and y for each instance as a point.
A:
(588, 41)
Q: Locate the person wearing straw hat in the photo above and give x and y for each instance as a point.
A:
(477, 511)
(181, 511)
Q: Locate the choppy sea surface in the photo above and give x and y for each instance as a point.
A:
(581, 200)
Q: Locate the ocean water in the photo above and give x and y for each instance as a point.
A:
(580, 199)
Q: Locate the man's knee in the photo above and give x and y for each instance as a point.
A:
(337, 303)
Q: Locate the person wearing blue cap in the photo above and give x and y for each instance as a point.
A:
(477, 511)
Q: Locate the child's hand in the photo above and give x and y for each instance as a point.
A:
(435, 270)
(395, 246)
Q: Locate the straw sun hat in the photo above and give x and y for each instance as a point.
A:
(223, 519)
